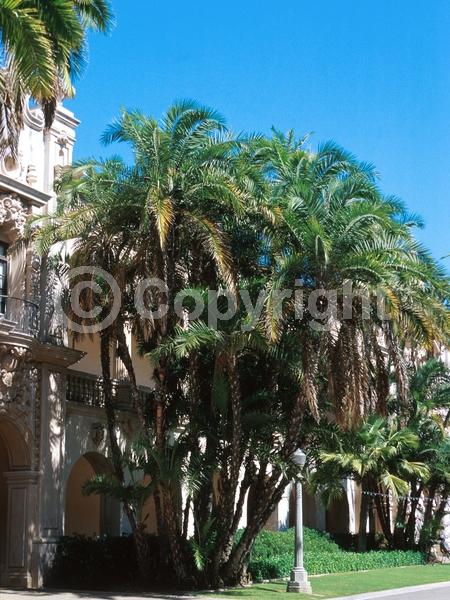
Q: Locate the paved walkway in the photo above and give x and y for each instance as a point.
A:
(434, 591)
(81, 595)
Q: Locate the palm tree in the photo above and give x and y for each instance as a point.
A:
(200, 208)
(427, 415)
(44, 49)
(166, 216)
(229, 344)
(377, 461)
(335, 233)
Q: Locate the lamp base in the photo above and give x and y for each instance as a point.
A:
(299, 582)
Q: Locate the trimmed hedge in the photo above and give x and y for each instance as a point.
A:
(272, 556)
(110, 562)
(103, 563)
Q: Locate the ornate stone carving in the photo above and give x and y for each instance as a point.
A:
(12, 213)
(13, 378)
(12, 166)
(97, 434)
(35, 382)
(31, 175)
(62, 140)
(33, 116)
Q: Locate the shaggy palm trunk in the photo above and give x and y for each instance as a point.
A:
(426, 531)
(401, 526)
(384, 514)
(138, 534)
(173, 531)
(267, 497)
(125, 357)
(230, 481)
(410, 532)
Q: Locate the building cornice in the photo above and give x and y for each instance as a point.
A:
(41, 352)
(66, 117)
(35, 197)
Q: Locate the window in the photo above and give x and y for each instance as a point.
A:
(3, 276)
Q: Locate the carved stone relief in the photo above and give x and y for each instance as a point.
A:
(20, 383)
(13, 377)
(13, 213)
(97, 433)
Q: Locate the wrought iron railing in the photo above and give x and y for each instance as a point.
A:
(22, 313)
(86, 389)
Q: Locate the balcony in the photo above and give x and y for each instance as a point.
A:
(87, 390)
(22, 315)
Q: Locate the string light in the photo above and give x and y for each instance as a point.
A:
(418, 498)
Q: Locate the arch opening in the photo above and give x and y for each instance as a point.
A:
(94, 515)
(17, 485)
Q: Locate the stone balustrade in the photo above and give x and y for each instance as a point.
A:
(87, 390)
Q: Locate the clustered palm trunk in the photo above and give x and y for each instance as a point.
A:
(203, 210)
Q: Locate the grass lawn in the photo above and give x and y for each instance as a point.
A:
(329, 586)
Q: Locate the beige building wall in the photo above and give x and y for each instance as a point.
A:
(82, 512)
(91, 362)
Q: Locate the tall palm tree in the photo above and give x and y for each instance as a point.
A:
(167, 215)
(44, 49)
(335, 232)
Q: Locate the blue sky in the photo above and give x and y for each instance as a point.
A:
(372, 75)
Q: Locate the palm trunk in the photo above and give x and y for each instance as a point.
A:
(172, 527)
(384, 514)
(425, 532)
(235, 570)
(230, 481)
(363, 517)
(116, 453)
(401, 526)
(412, 520)
(125, 357)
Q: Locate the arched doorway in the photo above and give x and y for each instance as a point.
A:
(18, 503)
(90, 515)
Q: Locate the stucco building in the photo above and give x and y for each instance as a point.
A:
(52, 435)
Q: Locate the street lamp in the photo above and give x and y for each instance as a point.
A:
(299, 577)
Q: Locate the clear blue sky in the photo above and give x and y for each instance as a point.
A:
(372, 75)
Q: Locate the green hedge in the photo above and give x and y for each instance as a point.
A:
(272, 556)
(103, 563)
(110, 563)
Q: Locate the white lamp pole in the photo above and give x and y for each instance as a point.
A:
(299, 577)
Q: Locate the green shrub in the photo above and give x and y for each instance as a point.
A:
(102, 563)
(273, 556)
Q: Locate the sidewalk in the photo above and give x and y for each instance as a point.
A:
(433, 591)
(84, 595)
(436, 591)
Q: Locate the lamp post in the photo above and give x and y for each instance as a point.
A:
(299, 577)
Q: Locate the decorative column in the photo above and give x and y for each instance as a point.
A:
(51, 508)
(21, 526)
